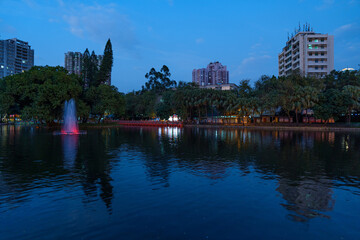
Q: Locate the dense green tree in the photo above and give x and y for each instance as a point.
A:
(105, 99)
(104, 74)
(39, 93)
(159, 81)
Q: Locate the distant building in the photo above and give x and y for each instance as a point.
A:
(347, 69)
(213, 74)
(16, 56)
(307, 53)
(74, 63)
(226, 86)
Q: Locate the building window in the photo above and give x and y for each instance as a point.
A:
(322, 47)
(322, 68)
(316, 40)
(316, 68)
(2, 66)
(310, 54)
(316, 54)
(316, 61)
(322, 54)
(322, 39)
(310, 40)
(310, 46)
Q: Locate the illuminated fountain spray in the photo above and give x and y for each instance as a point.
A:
(70, 125)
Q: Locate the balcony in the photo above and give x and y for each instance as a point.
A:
(312, 63)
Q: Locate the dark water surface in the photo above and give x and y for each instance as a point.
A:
(149, 183)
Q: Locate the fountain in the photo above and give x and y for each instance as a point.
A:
(70, 125)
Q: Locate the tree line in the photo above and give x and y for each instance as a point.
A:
(39, 94)
(335, 96)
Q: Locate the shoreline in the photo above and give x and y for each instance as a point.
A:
(283, 128)
(324, 128)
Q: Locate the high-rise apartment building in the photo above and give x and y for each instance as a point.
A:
(213, 74)
(74, 63)
(308, 54)
(16, 56)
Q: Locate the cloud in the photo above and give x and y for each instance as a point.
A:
(247, 64)
(199, 40)
(6, 28)
(343, 28)
(326, 4)
(100, 22)
(256, 45)
(254, 59)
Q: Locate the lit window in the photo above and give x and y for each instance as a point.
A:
(2, 66)
(23, 61)
(310, 46)
(316, 40)
(316, 47)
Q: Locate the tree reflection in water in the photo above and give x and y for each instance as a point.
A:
(306, 165)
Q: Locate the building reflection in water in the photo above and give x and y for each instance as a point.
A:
(307, 198)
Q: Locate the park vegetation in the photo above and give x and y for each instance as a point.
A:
(336, 96)
(39, 95)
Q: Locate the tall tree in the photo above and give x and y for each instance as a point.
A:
(104, 75)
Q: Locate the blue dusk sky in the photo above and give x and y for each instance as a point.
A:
(246, 36)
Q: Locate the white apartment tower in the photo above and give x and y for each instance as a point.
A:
(307, 53)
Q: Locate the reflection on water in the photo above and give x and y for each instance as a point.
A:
(139, 174)
(70, 145)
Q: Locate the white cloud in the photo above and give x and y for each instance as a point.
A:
(199, 40)
(256, 45)
(100, 22)
(326, 4)
(253, 59)
(345, 28)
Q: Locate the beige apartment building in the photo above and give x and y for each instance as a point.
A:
(307, 53)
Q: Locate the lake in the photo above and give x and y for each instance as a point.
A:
(172, 183)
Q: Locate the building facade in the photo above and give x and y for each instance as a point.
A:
(223, 87)
(214, 74)
(74, 63)
(16, 56)
(308, 54)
